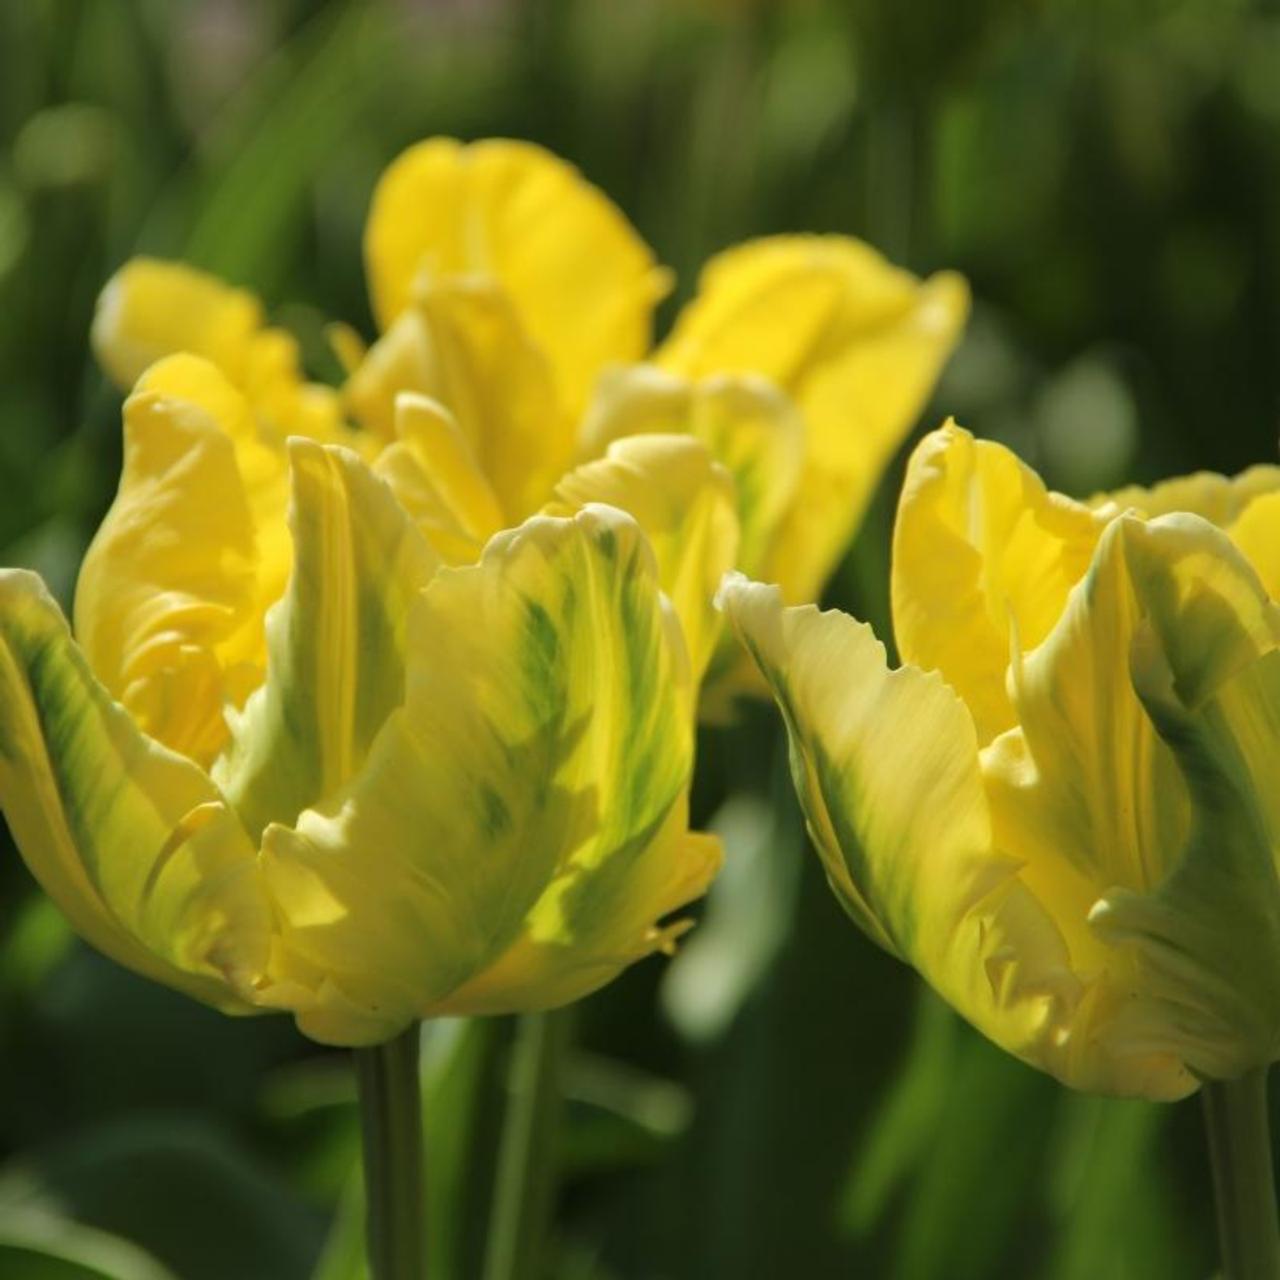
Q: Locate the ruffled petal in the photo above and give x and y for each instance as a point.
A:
(755, 432)
(173, 590)
(525, 788)
(750, 427)
(1217, 498)
(1206, 665)
(462, 345)
(982, 553)
(434, 474)
(581, 280)
(684, 503)
(887, 768)
(134, 843)
(151, 309)
(856, 343)
(1137, 790)
(336, 641)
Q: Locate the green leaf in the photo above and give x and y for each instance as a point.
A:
(42, 1246)
(617, 1115)
(902, 1127)
(179, 1187)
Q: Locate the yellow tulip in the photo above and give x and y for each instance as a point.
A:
(292, 762)
(517, 299)
(1062, 809)
(802, 363)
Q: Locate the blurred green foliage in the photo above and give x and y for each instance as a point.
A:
(782, 1100)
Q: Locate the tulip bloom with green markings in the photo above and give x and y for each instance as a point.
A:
(515, 297)
(1062, 809)
(291, 761)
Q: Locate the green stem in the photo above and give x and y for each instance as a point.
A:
(527, 1160)
(391, 1127)
(1235, 1113)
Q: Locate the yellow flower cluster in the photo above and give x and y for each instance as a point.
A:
(381, 699)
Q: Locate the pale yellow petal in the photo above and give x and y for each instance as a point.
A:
(751, 428)
(1084, 789)
(684, 503)
(581, 280)
(1219, 499)
(982, 554)
(524, 788)
(337, 640)
(151, 309)
(1207, 667)
(133, 842)
(1140, 783)
(754, 431)
(887, 769)
(612, 916)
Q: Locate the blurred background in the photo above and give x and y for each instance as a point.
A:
(782, 1100)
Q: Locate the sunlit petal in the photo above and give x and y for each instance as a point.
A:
(544, 742)
(887, 767)
(173, 590)
(151, 309)
(982, 553)
(857, 345)
(133, 842)
(684, 503)
(337, 640)
(581, 280)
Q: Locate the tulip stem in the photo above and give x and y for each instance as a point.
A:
(525, 1189)
(1235, 1113)
(391, 1128)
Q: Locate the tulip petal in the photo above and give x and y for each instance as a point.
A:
(1084, 789)
(1217, 498)
(1139, 777)
(544, 741)
(754, 431)
(981, 550)
(590, 925)
(133, 842)
(151, 309)
(750, 427)
(856, 343)
(581, 280)
(337, 640)
(684, 502)
(462, 345)
(1256, 531)
(172, 592)
(887, 768)
(1206, 664)
(433, 472)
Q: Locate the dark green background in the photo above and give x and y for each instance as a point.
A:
(784, 1101)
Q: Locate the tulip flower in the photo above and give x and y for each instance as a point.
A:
(519, 300)
(1061, 809)
(288, 761)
